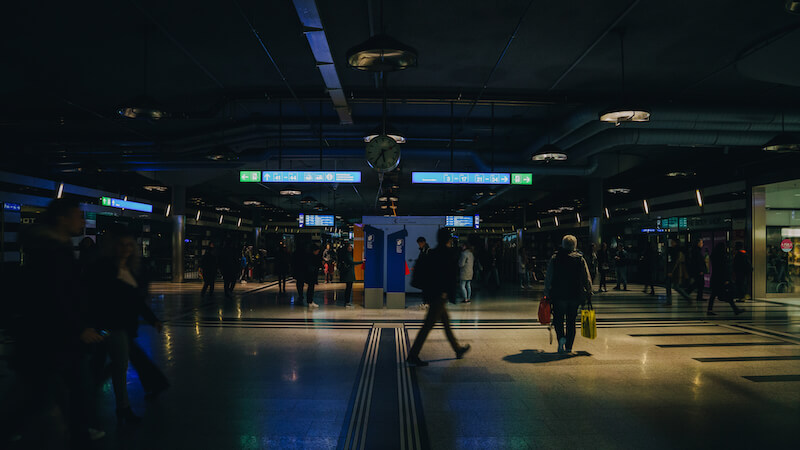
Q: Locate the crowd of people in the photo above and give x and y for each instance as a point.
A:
(87, 318)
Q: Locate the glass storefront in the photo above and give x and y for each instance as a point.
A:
(782, 209)
(776, 239)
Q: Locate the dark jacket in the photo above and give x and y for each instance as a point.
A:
(116, 305)
(443, 262)
(720, 269)
(347, 272)
(53, 310)
(697, 262)
(209, 263)
(282, 261)
(568, 278)
(741, 264)
(602, 259)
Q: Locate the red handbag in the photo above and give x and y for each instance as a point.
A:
(545, 311)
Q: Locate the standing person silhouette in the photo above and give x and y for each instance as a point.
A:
(208, 266)
(282, 266)
(347, 273)
(439, 284)
(568, 285)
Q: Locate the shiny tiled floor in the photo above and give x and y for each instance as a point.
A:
(258, 372)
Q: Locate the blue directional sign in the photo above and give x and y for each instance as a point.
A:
(312, 220)
(460, 178)
(125, 204)
(288, 176)
(16, 207)
(477, 221)
(459, 221)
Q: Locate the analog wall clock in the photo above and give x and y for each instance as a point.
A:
(383, 154)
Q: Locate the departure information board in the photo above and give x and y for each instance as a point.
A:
(288, 176)
(313, 220)
(125, 204)
(459, 221)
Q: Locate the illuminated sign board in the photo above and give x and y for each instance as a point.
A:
(460, 178)
(311, 220)
(12, 207)
(288, 176)
(522, 178)
(477, 221)
(459, 221)
(125, 204)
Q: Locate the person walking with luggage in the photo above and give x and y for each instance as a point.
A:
(208, 269)
(604, 266)
(466, 262)
(117, 300)
(721, 283)
(568, 285)
(439, 283)
(347, 272)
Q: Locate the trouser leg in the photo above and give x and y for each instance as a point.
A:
(310, 294)
(469, 289)
(118, 350)
(448, 330)
(150, 375)
(434, 311)
(572, 315)
(299, 285)
(624, 272)
(559, 309)
(348, 293)
(711, 299)
(463, 284)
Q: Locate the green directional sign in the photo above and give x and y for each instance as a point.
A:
(522, 178)
(249, 176)
(105, 201)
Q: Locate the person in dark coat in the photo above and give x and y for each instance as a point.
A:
(117, 300)
(347, 272)
(649, 264)
(603, 266)
(208, 266)
(56, 330)
(282, 266)
(742, 268)
(306, 269)
(568, 285)
(440, 285)
(697, 269)
(230, 265)
(721, 286)
(621, 267)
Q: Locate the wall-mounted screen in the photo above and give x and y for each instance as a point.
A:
(459, 221)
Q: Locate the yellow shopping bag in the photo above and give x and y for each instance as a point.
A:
(588, 323)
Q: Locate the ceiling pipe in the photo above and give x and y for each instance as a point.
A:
(309, 16)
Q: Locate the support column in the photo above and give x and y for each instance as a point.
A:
(596, 210)
(257, 225)
(178, 217)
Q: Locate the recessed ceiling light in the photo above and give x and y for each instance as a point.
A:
(619, 191)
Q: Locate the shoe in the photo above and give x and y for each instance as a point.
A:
(416, 362)
(739, 311)
(652, 293)
(625, 289)
(349, 306)
(561, 343)
(616, 288)
(460, 352)
(467, 301)
(569, 350)
(96, 435)
(711, 313)
(313, 305)
(126, 415)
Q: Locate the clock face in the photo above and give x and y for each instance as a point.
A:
(383, 154)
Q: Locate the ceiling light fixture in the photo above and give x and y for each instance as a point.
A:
(143, 106)
(619, 191)
(222, 153)
(793, 6)
(699, 197)
(617, 115)
(60, 190)
(220, 219)
(169, 208)
(222, 208)
(538, 223)
(549, 152)
(252, 203)
(578, 216)
(239, 223)
(608, 216)
(307, 200)
(391, 132)
(290, 191)
(680, 174)
(646, 207)
(197, 217)
(155, 188)
(555, 218)
(783, 142)
(381, 53)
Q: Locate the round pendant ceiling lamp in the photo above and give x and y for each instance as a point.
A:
(626, 113)
(783, 142)
(381, 53)
(142, 108)
(391, 132)
(548, 153)
(290, 191)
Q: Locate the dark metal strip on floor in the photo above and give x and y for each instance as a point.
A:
(772, 378)
(689, 334)
(775, 334)
(724, 344)
(749, 358)
(419, 430)
(354, 426)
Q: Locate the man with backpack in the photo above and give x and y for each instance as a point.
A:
(437, 275)
(568, 285)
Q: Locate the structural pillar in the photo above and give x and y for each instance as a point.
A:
(178, 217)
(596, 210)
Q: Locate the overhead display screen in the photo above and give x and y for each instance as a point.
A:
(288, 176)
(312, 220)
(459, 221)
(125, 204)
(460, 178)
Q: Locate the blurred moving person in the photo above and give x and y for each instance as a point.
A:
(721, 285)
(347, 272)
(208, 267)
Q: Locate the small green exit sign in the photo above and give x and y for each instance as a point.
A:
(521, 178)
(249, 176)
